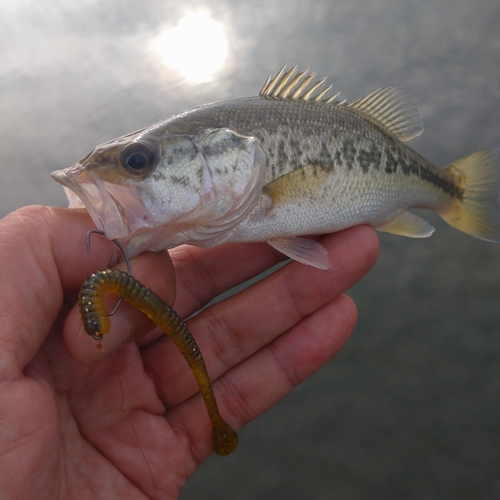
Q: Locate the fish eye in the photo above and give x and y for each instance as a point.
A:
(138, 159)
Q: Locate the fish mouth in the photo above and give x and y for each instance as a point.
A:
(115, 210)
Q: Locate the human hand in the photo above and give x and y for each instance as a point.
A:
(132, 424)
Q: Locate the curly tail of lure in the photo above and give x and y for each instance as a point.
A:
(96, 323)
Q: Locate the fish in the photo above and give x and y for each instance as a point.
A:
(291, 162)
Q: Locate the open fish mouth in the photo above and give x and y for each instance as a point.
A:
(105, 203)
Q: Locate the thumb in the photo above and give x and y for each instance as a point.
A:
(43, 257)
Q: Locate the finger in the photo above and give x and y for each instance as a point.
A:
(203, 274)
(236, 328)
(129, 325)
(253, 386)
(43, 256)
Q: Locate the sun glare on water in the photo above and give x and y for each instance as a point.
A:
(197, 46)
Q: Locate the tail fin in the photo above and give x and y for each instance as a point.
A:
(478, 212)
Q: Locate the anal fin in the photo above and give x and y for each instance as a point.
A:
(408, 225)
(306, 251)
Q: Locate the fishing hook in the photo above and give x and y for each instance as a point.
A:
(125, 257)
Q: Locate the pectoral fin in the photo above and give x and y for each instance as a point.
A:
(299, 184)
(408, 225)
(306, 251)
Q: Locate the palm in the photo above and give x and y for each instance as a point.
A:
(132, 425)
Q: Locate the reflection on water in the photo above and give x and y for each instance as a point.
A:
(410, 408)
(196, 46)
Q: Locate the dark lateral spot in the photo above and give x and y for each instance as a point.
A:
(337, 159)
(324, 153)
(325, 166)
(281, 154)
(391, 163)
(322, 160)
(349, 152)
(405, 166)
(365, 160)
(281, 150)
(295, 147)
(444, 184)
(409, 167)
(376, 156)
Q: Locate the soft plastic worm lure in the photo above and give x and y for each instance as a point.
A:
(96, 323)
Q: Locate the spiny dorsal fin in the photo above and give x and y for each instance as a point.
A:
(392, 108)
(290, 87)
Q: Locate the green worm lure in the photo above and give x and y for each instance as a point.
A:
(96, 323)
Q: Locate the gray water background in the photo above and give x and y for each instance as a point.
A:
(410, 409)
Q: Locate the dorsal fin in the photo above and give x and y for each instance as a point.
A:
(392, 108)
(290, 87)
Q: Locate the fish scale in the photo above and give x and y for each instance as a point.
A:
(292, 161)
(314, 134)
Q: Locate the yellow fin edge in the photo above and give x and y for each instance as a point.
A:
(478, 212)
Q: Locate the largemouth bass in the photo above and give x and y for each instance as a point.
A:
(292, 161)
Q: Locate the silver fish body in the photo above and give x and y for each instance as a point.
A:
(289, 162)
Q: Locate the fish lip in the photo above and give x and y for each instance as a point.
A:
(106, 212)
